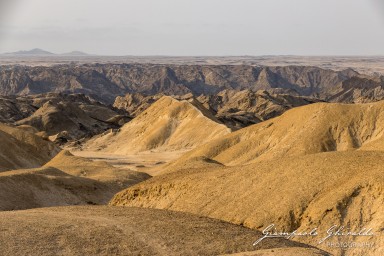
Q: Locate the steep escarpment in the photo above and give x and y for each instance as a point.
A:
(106, 81)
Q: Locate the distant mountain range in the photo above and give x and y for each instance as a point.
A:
(107, 81)
(40, 52)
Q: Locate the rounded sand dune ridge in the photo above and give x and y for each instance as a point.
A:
(167, 125)
(315, 128)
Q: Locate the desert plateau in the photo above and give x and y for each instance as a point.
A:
(189, 160)
(191, 128)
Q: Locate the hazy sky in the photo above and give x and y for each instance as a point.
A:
(194, 27)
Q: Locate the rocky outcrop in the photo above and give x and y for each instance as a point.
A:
(236, 109)
(65, 117)
(360, 89)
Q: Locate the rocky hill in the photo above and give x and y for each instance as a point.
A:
(64, 117)
(14, 108)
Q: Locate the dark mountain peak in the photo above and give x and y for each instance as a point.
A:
(35, 51)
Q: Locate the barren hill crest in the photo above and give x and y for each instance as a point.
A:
(167, 125)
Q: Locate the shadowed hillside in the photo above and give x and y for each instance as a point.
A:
(65, 180)
(21, 148)
(96, 170)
